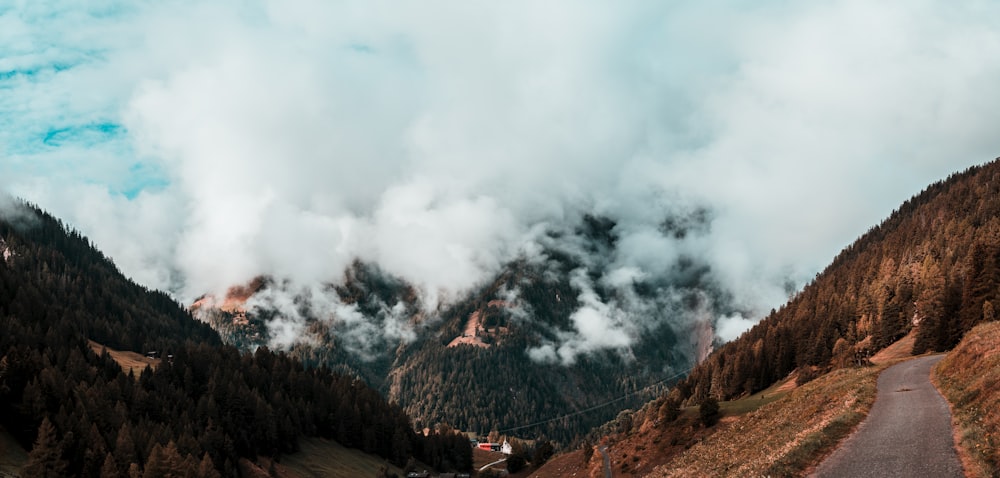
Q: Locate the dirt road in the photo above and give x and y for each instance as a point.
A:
(906, 434)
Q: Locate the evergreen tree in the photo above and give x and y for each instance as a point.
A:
(930, 308)
(110, 468)
(708, 411)
(156, 466)
(206, 469)
(45, 459)
(125, 451)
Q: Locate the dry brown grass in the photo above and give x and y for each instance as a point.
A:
(969, 377)
(571, 465)
(127, 360)
(483, 457)
(653, 443)
(327, 458)
(786, 437)
(901, 349)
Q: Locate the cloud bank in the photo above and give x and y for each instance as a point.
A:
(201, 144)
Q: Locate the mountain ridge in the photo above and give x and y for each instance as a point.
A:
(204, 410)
(916, 283)
(526, 307)
(934, 258)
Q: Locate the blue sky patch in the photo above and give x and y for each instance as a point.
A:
(85, 135)
(143, 177)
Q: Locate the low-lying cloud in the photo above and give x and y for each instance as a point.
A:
(201, 144)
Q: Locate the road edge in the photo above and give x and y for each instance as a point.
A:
(969, 470)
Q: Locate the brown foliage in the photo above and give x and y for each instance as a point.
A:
(970, 378)
(934, 262)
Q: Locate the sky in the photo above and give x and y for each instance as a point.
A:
(203, 143)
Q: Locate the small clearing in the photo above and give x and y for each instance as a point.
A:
(900, 349)
(319, 457)
(473, 332)
(570, 464)
(129, 361)
(786, 436)
(470, 336)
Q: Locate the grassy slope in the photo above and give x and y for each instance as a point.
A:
(326, 458)
(483, 457)
(969, 377)
(781, 431)
(654, 446)
(570, 464)
(786, 436)
(901, 349)
(12, 456)
(127, 360)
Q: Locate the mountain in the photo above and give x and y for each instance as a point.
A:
(924, 280)
(507, 356)
(933, 266)
(75, 389)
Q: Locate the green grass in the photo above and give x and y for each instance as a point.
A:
(748, 404)
(326, 458)
(12, 456)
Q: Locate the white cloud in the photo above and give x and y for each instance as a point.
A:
(730, 327)
(440, 139)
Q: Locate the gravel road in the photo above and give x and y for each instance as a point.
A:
(906, 434)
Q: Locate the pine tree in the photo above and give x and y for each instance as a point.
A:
(156, 464)
(110, 468)
(173, 461)
(96, 452)
(708, 411)
(45, 459)
(670, 410)
(206, 469)
(125, 453)
(930, 308)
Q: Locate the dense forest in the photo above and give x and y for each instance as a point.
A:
(202, 409)
(498, 386)
(933, 265)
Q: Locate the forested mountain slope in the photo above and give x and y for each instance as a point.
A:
(934, 264)
(202, 409)
(471, 365)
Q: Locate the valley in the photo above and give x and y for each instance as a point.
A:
(469, 364)
(84, 341)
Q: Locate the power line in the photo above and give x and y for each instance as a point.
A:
(595, 407)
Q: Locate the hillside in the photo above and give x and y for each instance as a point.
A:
(469, 363)
(934, 262)
(968, 378)
(76, 333)
(916, 283)
(932, 266)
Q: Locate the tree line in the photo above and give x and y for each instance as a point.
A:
(933, 265)
(80, 414)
